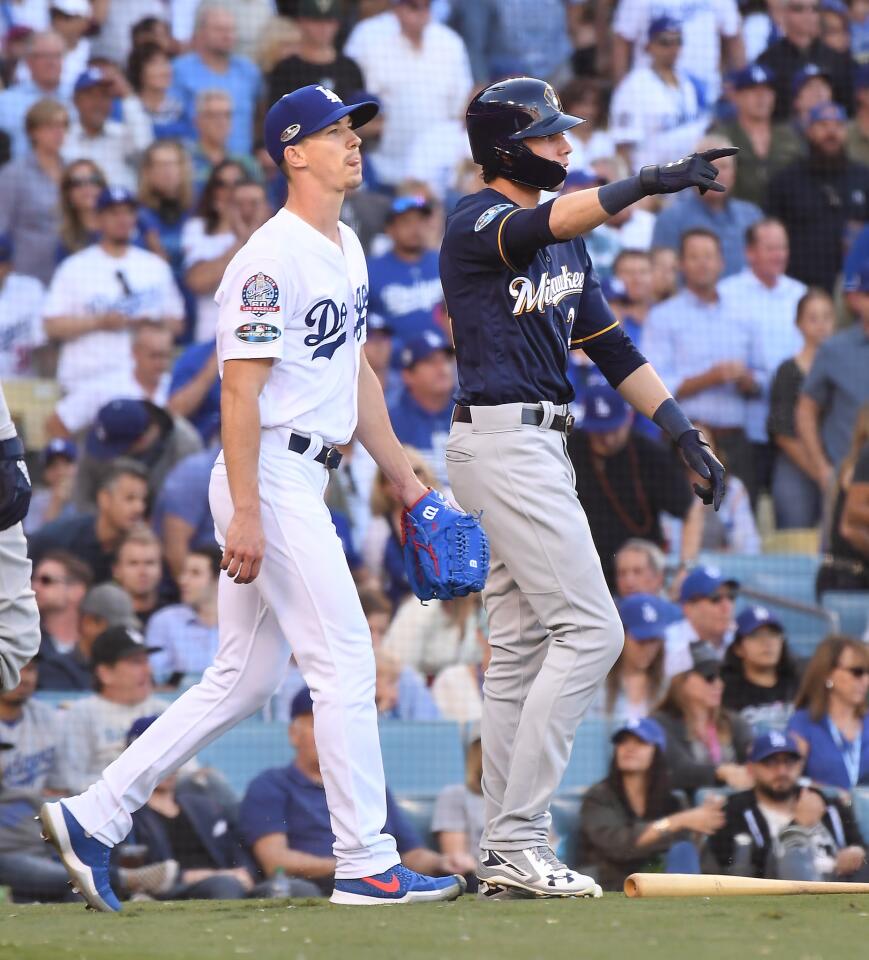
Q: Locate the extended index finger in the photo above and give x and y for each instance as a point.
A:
(719, 152)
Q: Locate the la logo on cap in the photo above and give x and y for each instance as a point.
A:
(602, 408)
(329, 94)
(761, 613)
(777, 739)
(758, 74)
(649, 613)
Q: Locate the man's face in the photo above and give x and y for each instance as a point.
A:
(815, 91)
(414, 16)
(302, 738)
(18, 696)
(433, 376)
(664, 49)
(762, 648)
(53, 588)
(701, 263)
(46, 61)
(827, 137)
(127, 681)
(123, 504)
(711, 616)
(249, 199)
(214, 120)
(610, 442)
(636, 274)
(754, 103)
(332, 157)
(217, 32)
(768, 255)
(94, 106)
(138, 568)
(409, 231)
(152, 353)
(802, 19)
(777, 776)
(318, 31)
(117, 223)
(635, 574)
(197, 581)
(378, 349)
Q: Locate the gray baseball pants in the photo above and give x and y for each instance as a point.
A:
(553, 627)
(19, 617)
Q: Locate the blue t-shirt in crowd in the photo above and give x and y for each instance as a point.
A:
(284, 800)
(187, 366)
(857, 260)
(826, 759)
(184, 494)
(405, 294)
(426, 431)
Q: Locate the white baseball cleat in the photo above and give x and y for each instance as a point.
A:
(535, 870)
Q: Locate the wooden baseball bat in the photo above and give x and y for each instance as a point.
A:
(713, 885)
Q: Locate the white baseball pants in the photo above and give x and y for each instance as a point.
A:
(304, 593)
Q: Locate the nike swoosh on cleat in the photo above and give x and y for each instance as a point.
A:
(390, 887)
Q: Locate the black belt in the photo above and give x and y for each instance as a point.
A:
(330, 457)
(533, 416)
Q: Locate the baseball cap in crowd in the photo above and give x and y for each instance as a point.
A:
(753, 618)
(602, 409)
(754, 75)
(319, 9)
(305, 111)
(702, 582)
(116, 197)
(302, 704)
(827, 111)
(138, 727)
(835, 6)
(92, 77)
(377, 323)
(406, 204)
(646, 616)
(613, 289)
(117, 643)
(857, 282)
(72, 8)
(664, 24)
(647, 730)
(7, 247)
(422, 346)
(769, 744)
(705, 660)
(111, 603)
(59, 447)
(580, 180)
(806, 73)
(119, 424)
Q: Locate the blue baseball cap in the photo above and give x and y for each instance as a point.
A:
(7, 247)
(418, 348)
(647, 730)
(664, 24)
(580, 180)
(92, 77)
(118, 425)
(646, 616)
(302, 704)
(753, 618)
(59, 447)
(613, 289)
(116, 197)
(861, 76)
(377, 323)
(806, 73)
(754, 75)
(406, 204)
(769, 744)
(857, 282)
(138, 727)
(602, 409)
(305, 111)
(827, 111)
(702, 582)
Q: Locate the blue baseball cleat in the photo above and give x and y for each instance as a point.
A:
(85, 858)
(398, 885)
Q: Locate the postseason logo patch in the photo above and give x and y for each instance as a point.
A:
(259, 295)
(489, 215)
(257, 333)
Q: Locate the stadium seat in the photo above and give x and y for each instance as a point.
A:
(31, 402)
(851, 607)
(860, 799)
(246, 750)
(787, 575)
(419, 810)
(590, 758)
(565, 824)
(800, 540)
(421, 758)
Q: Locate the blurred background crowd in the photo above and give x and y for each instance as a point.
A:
(731, 734)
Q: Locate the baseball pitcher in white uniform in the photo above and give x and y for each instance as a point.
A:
(292, 312)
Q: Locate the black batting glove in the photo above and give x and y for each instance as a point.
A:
(697, 453)
(693, 171)
(14, 483)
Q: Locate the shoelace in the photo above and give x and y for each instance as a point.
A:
(547, 854)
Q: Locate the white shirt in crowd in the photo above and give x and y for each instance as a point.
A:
(704, 22)
(600, 146)
(438, 75)
(78, 410)
(437, 153)
(292, 294)
(770, 313)
(138, 284)
(678, 638)
(116, 149)
(456, 691)
(28, 13)
(660, 122)
(21, 331)
(196, 247)
(114, 39)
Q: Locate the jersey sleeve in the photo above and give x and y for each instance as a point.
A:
(505, 235)
(253, 310)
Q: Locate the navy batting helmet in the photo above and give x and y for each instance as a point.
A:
(500, 117)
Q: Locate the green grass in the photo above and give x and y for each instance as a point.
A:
(743, 928)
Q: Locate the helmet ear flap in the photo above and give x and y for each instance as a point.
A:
(519, 163)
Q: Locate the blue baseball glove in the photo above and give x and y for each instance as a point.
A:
(14, 483)
(446, 553)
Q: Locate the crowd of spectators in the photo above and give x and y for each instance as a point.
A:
(132, 170)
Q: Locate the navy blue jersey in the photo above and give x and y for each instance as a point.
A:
(519, 300)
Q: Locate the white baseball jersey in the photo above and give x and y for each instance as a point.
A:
(20, 324)
(295, 296)
(138, 284)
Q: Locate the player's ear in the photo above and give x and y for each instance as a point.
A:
(294, 158)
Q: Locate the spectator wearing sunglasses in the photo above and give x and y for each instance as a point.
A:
(830, 723)
(706, 598)
(706, 743)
